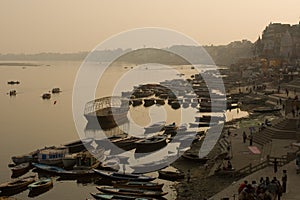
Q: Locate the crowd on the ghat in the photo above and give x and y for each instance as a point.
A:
(265, 189)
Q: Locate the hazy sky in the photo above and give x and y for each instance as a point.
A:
(31, 26)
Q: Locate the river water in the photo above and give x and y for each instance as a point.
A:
(27, 122)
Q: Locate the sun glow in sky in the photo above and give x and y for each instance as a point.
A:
(32, 26)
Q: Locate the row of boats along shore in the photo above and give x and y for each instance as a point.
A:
(81, 159)
(74, 161)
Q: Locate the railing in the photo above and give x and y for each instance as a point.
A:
(249, 169)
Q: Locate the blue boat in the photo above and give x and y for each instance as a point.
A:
(62, 172)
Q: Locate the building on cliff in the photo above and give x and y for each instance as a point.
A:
(279, 41)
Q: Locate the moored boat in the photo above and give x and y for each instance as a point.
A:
(78, 145)
(194, 157)
(156, 127)
(123, 176)
(141, 185)
(151, 144)
(131, 192)
(42, 184)
(115, 196)
(149, 102)
(16, 186)
(169, 175)
(21, 168)
(266, 110)
(112, 164)
(62, 172)
(52, 156)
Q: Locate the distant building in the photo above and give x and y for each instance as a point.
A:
(279, 41)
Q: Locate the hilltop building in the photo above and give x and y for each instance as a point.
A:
(279, 41)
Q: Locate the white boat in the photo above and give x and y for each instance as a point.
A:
(52, 156)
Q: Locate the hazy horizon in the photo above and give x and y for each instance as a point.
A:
(72, 26)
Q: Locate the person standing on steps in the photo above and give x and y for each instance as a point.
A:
(188, 176)
(244, 137)
(275, 165)
(284, 181)
(250, 139)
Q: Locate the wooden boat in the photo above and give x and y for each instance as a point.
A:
(126, 143)
(12, 93)
(266, 110)
(156, 127)
(131, 192)
(13, 82)
(78, 145)
(151, 144)
(194, 157)
(112, 164)
(21, 168)
(52, 156)
(16, 186)
(185, 104)
(42, 184)
(169, 175)
(140, 185)
(122, 176)
(46, 96)
(137, 102)
(115, 196)
(175, 105)
(160, 101)
(62, 172)
(208, 118)
(149, 102)
(56, 90)
(170, 128)
(30, 157)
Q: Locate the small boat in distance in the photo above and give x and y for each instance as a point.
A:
(12, 93)
(13, 82)
(56, 90)
(46, 96)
